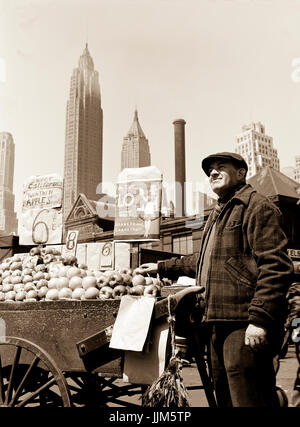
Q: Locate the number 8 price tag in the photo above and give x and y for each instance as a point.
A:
(71, 242)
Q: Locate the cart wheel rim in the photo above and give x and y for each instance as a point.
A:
(12, 392)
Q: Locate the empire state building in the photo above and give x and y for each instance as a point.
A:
(84, 134)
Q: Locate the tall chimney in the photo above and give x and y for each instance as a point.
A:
(179, 139)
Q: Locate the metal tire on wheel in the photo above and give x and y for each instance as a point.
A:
(29, 376)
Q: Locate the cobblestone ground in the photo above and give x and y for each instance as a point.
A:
(285, 379)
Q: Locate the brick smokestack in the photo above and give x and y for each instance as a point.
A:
(179, 140)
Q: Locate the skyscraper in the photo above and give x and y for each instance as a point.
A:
(84, 134)
(293, 172)
(135, 148)
(8, 217)
(257, 148)
(297, 169)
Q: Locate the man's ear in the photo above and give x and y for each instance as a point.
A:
(242, 173)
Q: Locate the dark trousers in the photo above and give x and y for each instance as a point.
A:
(242, 377)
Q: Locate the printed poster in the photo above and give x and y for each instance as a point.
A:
(138, 204)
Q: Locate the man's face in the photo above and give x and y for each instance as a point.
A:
(223, 176)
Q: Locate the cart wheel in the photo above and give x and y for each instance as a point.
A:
(29, 376)
(91, 389)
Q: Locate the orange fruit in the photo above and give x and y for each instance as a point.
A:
(89, 282)
(65, 293)
(73, 272)
(75, 282)
(52, 284)
(62, 282)
(52, 294)
(78, 293)
(91, 293)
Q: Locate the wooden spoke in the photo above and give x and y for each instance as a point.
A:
(12, 373)
(35, 381)
(21, 385)
(37, 392)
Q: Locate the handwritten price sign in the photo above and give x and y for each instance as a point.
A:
(41, 218)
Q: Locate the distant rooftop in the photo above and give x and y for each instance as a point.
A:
(271, 182)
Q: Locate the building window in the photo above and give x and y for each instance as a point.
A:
(183, 244)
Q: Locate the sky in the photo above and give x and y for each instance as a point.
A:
(218, 64)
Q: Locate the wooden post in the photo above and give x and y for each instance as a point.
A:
(135, 255)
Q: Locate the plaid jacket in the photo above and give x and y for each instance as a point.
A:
(250, 271)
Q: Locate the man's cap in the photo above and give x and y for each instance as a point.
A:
(235, 158)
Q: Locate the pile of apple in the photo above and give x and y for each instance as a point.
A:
(115, 284)
(45, 275)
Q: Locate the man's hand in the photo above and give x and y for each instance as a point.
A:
(148, 268)
(255, 337)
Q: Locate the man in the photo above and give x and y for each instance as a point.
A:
(246, 272)
(293, 330)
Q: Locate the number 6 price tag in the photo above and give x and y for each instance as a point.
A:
(71, 242)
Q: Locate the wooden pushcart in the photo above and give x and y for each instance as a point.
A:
(56, 353)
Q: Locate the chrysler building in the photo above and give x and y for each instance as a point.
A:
(84, 130)
(135, 148)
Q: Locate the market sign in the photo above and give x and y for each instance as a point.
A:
(138, 204)
(41, 217)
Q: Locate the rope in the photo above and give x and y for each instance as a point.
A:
(168, 390)
(171, 322)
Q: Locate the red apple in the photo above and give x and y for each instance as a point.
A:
(42, 291)
(127, 279)
(17, 273)
(119, 291)
(125, 270)
(48, 251)
(34, 251)
(16, 266)
(31, 294)
(38, 276)
(115, 280)
(48, 258)
(106, 292)
(166, 282)
(20, 295)
(137, 290)
(83, 266)
(40, 267)
(157, 282)
(29, 287)
(152, 290)
(102, 281)
(41, 283)
(138, 279)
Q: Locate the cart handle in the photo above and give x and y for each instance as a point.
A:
(161, 307)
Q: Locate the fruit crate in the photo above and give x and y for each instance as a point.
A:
(39, 356)
(56, 353)
(56, 326)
